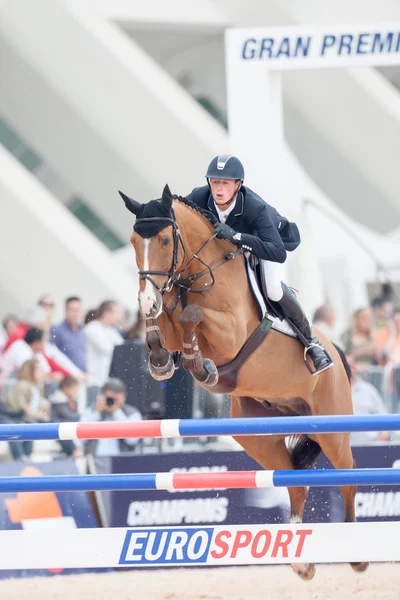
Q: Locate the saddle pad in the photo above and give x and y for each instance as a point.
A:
(277, 324)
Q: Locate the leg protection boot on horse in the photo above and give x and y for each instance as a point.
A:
(295, 314)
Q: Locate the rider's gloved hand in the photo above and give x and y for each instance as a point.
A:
(224, 232)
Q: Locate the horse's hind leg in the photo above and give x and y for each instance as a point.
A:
(272, 453)
(298, 496)
(337, 448)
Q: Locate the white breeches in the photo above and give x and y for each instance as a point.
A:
(271, 278)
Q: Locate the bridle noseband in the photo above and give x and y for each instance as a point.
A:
(174, 278)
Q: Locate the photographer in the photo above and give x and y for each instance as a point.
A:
(110, 406)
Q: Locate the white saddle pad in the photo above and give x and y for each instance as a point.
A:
(282, 326)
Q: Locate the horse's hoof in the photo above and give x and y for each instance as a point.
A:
(213, 376)
(162, 372)
(360, 567)
(304, 570)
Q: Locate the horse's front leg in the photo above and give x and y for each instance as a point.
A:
(203, 370)
(161, 363)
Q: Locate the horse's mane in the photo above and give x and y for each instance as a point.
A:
(205, 213)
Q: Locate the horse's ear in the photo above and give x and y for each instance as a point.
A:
(166, 198)
(130, 204)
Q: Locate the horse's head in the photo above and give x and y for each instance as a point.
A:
(156, 243)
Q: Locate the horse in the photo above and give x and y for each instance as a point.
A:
(197, 302)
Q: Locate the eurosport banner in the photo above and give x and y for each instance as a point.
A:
(202, 546)
(238, 506)
(33, 511)
(309, 47)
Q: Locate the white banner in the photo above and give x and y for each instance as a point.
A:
(200, 546)
(299, 47)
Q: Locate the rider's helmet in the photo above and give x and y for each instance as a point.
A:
(225, 166)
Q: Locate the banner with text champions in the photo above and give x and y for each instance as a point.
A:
(298, 47)
(238, 506)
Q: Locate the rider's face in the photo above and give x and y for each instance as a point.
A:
(223, 189)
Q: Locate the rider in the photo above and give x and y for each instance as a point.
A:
(247, 221)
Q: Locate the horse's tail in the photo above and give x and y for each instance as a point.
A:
(344, 361)
(303, 450)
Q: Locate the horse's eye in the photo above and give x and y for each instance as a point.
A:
(165, 241)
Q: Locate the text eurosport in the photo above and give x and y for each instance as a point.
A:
(212, 545)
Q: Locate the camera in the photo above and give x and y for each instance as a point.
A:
(110, 401)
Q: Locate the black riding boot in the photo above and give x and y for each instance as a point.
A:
(295, 314)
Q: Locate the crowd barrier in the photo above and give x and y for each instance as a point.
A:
(214, 545)
(387, 381)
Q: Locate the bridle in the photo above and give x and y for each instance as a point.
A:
(176, 278)
(171, 274)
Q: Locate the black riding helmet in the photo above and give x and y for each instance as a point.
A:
(225, 166)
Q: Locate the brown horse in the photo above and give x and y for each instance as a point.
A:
(195, 295)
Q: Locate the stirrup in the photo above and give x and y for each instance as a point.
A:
(319, 371)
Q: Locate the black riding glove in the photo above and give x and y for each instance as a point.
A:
(224, 232)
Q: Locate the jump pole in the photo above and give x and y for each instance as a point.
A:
(175, 428)
(199, 481)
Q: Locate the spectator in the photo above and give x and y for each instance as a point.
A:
(137, 331)
(26, 396)
(128, 321)
(3, 337)
(33, 345)
(383, 312)
(22, 350)
(324, 318)
(392, 348)
(382, 307)
(64, 409)
(47, 303)
(129, 363)
(358, 340)
(69, 336)
(110, 406)
(90, 316)
(392, 352)
(10, 322)
(34, 318)
(57, 360)
(102, 337)
(366, 401)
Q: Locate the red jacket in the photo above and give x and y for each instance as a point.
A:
(19, 333)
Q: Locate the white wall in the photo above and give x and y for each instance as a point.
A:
(44, 249)
(103, 114)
